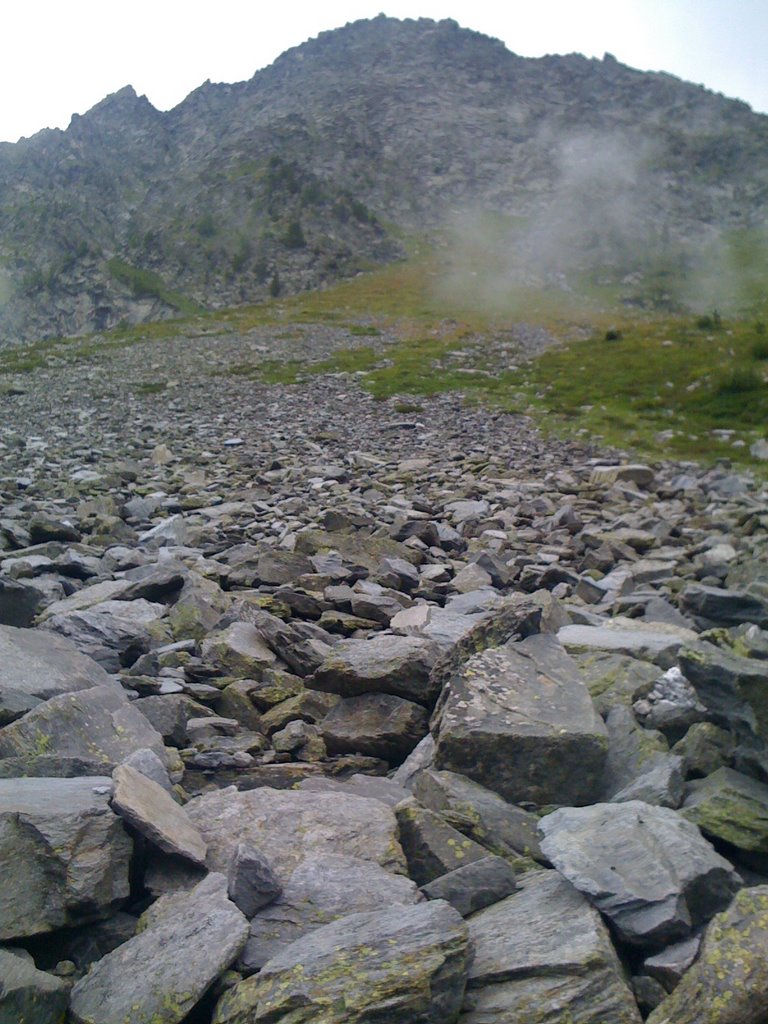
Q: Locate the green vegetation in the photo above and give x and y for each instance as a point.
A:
(148, 284)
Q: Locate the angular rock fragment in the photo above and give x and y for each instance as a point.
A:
(396, 665)
(161, 973)
(432, 847)
(377, 724)
(728, 984)
(251, 881)
(649, 871)
(151, 811)
(544, 956)
(64, 854)
(473, 886)
(733, 808)
(405, 964)
(27, 994)
(528, 736)
(44, 665)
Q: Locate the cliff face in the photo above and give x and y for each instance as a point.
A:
(315, 167)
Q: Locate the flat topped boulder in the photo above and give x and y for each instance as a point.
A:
(524, 729)
(291, 825)
(651, 641)
(64, 854)
(544, 956)
(404, 964)
(98, 725)
(647, 869)
(44, 665)
(399, 665)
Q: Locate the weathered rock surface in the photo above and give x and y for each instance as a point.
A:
(407, 964)
(151, 811)
(161, 973)
(37, 664)
(27, 994)
(473, 886)
(728, 984)
(397, 665)
(378, 724)
(298, 824)
(544, 956)
(64, 854)
(527, 735)
(320, 890)
(733, 808)
(647, 869)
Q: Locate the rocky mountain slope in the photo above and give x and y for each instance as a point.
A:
(314, 709)
(320, 164)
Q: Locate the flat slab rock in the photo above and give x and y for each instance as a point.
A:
(99, 724)
(544, 956)
(526, 731)
(64, 854)
(289, 825)
(649, 641)
(405, 964)
(151, 811)
(647, 869)
(400, 665)
(161, 973)
(319, 891)
(44, 665)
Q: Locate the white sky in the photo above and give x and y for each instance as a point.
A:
(59, 57)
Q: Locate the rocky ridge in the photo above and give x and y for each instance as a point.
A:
(315, 710)
(319, 165)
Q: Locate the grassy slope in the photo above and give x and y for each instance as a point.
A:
(665, 387)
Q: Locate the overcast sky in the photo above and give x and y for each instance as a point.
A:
(59, 57)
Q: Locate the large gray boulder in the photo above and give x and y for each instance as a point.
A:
(544, 956)
(728, 984)
(43, 665)
(404, 964)
(99, 725)
(161, 973)
(648, 870)
(291, 825)
(400, 665)
(113, 633)
(319, 891)
(520, 721)
(639, 765)
(64, 854)
(29, 995)
(649, 641)
(733, 808)
(725, 607)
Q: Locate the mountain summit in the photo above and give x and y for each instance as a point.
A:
(323, 162)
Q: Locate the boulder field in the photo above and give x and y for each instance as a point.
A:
(315, 711)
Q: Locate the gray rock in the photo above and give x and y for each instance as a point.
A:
(169, 714)
(432, 847)
(639, 766)
(544, 956)
(29, 995)
(650, 872)
(614, 678)
(43, 665)
(725, 607)
(529, 735)
(474, 886)
(64, 854)
(370, 786)
(669, 966)
(377, 724)
(20, 601)
(321, 890)
(479, 813)
(655, 642)
(251, 881)
(152, 812)
(298, 824)
(161, 973)
(239, 650)
(728, 984)
(113, 633)
(404, 964)
(396, 665)
(704, 748)
(98, 724)
(149, 764)
(733, 808)
(420, 757)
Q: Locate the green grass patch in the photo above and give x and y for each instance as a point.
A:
(148, 284)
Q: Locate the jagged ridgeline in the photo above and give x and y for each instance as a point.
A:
(583, 174)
